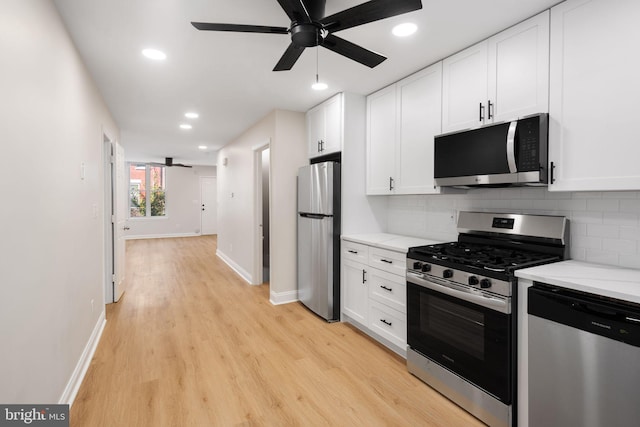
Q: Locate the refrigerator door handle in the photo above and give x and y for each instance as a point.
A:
(313, 216)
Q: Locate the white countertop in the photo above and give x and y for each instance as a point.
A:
(607, 280)
(393, 242)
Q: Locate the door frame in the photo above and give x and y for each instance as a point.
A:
(109, 260)
(257, 276)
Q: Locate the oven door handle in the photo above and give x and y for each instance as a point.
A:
(494, 303)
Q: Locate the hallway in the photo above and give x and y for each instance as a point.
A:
(191, 344)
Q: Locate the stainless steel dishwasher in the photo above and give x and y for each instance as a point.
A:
(584, 359)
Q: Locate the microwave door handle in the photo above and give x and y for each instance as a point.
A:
(511, 142)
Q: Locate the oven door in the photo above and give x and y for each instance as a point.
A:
(464, 330)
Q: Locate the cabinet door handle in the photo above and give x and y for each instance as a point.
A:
(364, 275)
(385, 322)
(551, 169)
(386, 260)
(352, 252)
(390, 183)
(386, 289)
(481, 112)
(321, 145)
(489, 115)
(319, 149)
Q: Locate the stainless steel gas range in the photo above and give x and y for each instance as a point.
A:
(461, 302)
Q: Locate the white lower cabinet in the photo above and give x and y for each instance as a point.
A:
(374, 292)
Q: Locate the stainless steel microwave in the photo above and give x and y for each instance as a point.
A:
(503, 154)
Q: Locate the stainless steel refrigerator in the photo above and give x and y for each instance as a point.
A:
(319, 238)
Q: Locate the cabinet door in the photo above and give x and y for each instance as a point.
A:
(419, 99)
(519, 70)
(381, 137)
(594, 93)
(315, 129)
(464, 89)
(332, 141)
(355, 291)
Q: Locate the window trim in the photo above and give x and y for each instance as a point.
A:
(147, 180)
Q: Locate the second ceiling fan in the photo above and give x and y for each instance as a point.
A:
(309, 27)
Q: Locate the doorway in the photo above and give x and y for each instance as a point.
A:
(208, 205)
(262, 252)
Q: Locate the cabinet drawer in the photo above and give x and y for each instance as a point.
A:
(391, 261)
(389, 289)
(388, 323)
(355, 251)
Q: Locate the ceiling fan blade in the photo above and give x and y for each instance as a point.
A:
(370, 11)
(289, 58)
(206, 26)
(295, 10)
(352, 51)
(182, 166)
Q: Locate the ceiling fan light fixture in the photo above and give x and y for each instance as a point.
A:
(155, 54)
(191, 115)
(185, 126)
(404, 30)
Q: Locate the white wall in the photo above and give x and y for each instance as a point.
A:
(605, 226)
(182, 206)
(285, 131)
(51, 263)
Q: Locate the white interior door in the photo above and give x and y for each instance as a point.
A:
(208, 205)
(120, 196)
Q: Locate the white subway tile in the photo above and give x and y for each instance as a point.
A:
(580, 241)
(630, 261)
(577, 253)
(578, 229)
(603, 205)
(573, 205)
(632, 233)
(602, 257)
(534, 193)
(587, 217)
(620, 246)
(621, 219)
(630, 205)
(620, 194)
(603, 230)
(586, 195)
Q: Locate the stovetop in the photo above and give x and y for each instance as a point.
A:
(483, 256)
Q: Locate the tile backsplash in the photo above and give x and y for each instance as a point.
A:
(605, 226)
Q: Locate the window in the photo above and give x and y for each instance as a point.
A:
(147, 185)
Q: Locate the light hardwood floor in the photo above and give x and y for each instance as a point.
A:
(192, 344)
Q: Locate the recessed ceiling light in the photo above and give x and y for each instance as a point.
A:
(185, 126)
(404, 30)
(202, 147)
(191, 115)
(155, 54)
(319, 86)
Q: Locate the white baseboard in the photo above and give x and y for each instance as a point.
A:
(71, 390)
(161, 236)
(277, 298)
(235, 267)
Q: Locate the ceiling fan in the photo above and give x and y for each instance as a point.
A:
(309, 27)
(168, 161)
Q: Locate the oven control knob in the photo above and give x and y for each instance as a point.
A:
(473, 280)
(485, 283)
(417, 265)
(447, 274)
(426, 267)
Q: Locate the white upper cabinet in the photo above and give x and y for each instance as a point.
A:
(499, 79)
(381, 137)
(324, 127)
(594, 93)
(402, 121)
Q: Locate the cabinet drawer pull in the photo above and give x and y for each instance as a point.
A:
(321, 145)
(551, 170)
(353, 252)
(386, 260)
(364, 275)
(390, 183)
(481, 112)
(385, 322)
(386, 289)
(489, 115)
(319, 149)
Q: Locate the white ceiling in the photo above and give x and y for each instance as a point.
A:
(227, 77)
